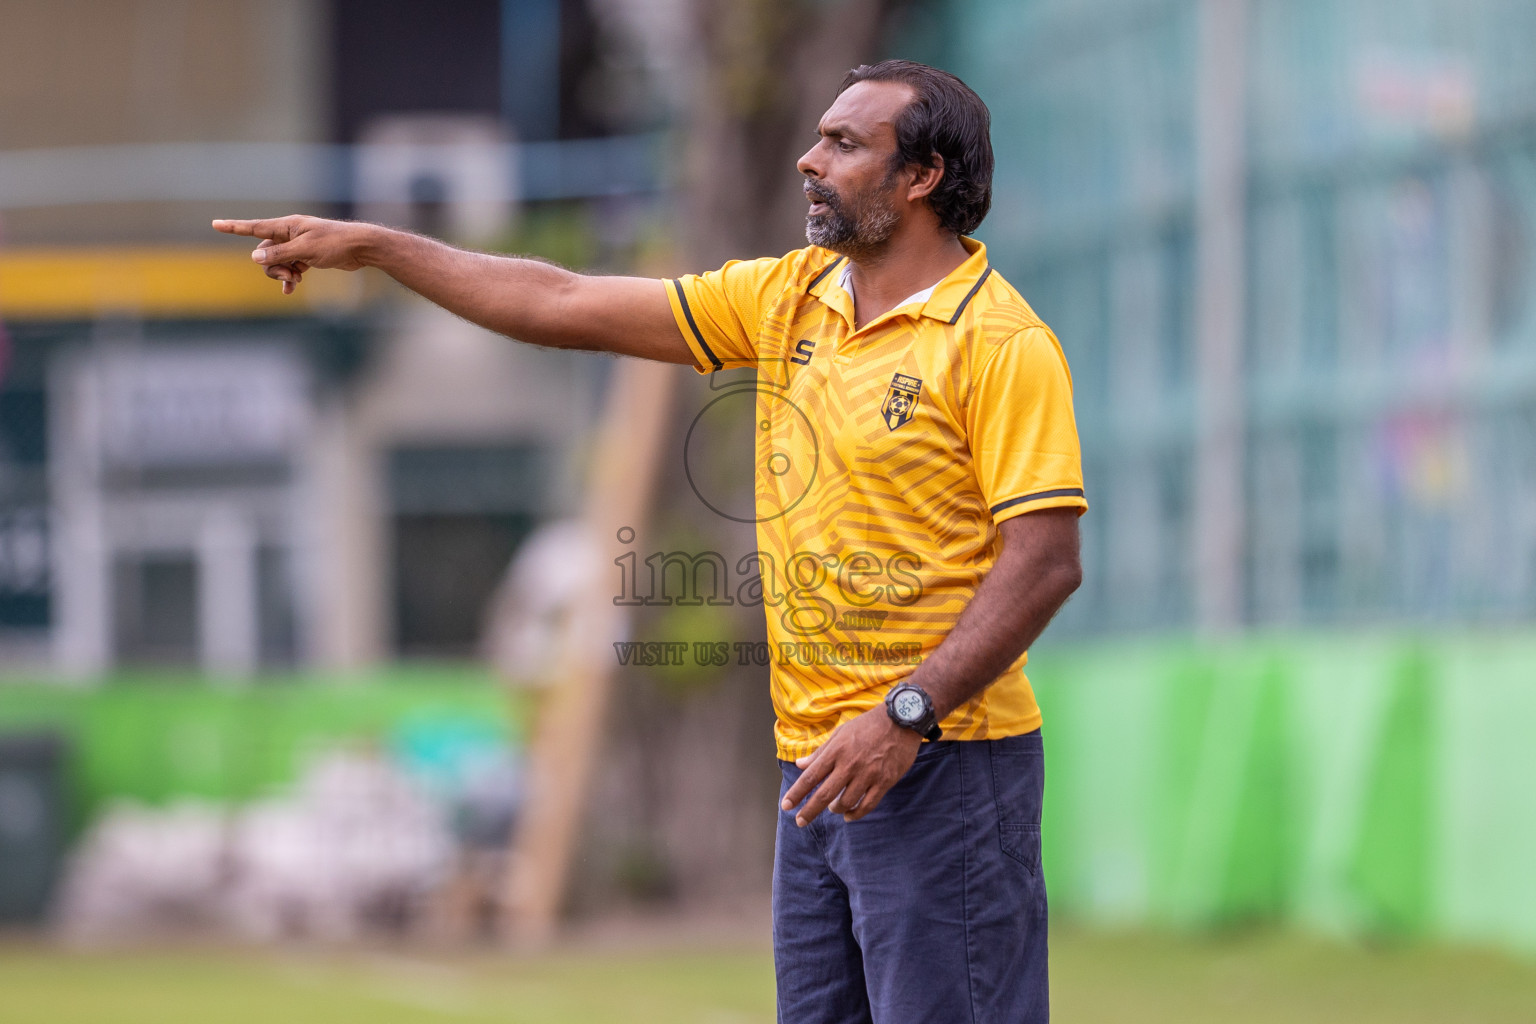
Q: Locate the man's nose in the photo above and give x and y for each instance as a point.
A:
(808, 165)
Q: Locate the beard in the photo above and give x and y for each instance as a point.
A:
(858, 226)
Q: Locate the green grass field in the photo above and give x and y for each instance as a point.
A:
(1140, 978)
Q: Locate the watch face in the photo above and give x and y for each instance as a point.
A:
(908, 705)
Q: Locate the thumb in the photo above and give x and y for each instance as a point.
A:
(269, 253)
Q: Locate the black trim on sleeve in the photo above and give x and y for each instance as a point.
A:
(697, 334)
(825, 271)
(971, 294)
(1060, 492)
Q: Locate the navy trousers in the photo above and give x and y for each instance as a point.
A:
(932, 909)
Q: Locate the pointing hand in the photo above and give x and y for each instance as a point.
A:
(291, 246)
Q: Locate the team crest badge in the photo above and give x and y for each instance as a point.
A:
(901, 400)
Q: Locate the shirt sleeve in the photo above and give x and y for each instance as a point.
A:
(720, 312)
(1023, 434)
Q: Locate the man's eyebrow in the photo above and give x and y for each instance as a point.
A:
(839, 131)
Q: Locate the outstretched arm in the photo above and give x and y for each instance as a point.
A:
(521, 298)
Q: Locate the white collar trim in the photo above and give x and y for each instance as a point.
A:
(845, 282)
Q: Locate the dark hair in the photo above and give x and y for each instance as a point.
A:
(947, 118)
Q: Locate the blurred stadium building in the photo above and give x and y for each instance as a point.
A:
(204, 484)
(199, 472)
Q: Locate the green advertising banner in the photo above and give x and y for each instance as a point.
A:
(155, 740)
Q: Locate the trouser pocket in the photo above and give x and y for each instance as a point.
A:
(1022, 843)
(1018, 786)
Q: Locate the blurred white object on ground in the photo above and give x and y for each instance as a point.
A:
(357, 847)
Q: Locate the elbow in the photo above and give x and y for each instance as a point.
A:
(1071, 578)
(1064, 577)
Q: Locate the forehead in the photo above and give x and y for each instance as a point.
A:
(868, 109)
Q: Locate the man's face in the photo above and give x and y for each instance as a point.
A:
(849, 173)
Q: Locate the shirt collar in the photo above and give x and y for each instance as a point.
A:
(845, 281)
(945, 302)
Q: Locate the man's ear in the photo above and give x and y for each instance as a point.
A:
(926, 179)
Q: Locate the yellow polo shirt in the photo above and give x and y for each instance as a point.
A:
(885, 458)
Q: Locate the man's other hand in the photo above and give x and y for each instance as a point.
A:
(290, 246)
(854, 769)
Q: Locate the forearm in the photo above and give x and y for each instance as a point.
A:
(521, 298)
(1016, 600)
(1033, 576)
(531, 300)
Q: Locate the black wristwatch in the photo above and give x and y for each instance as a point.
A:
(910, 708)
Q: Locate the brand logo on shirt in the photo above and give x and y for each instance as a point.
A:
(901, 400)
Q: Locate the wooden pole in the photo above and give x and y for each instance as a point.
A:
(567, 743)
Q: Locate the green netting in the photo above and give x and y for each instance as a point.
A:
(1485, 786)
(1359, 784)
(1391, 863)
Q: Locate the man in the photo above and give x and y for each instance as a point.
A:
(919, 469)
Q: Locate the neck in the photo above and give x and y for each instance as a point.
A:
(902, 266)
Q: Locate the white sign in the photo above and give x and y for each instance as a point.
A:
(201, 405)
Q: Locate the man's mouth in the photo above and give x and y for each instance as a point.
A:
(821, 201)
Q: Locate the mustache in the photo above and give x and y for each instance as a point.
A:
(822, 193)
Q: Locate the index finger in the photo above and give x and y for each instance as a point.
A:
(254, 228)
(830, 789)
(814, 772)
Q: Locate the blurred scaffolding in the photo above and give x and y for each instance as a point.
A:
(1367, 255)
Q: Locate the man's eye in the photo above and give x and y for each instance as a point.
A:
(845, 146)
